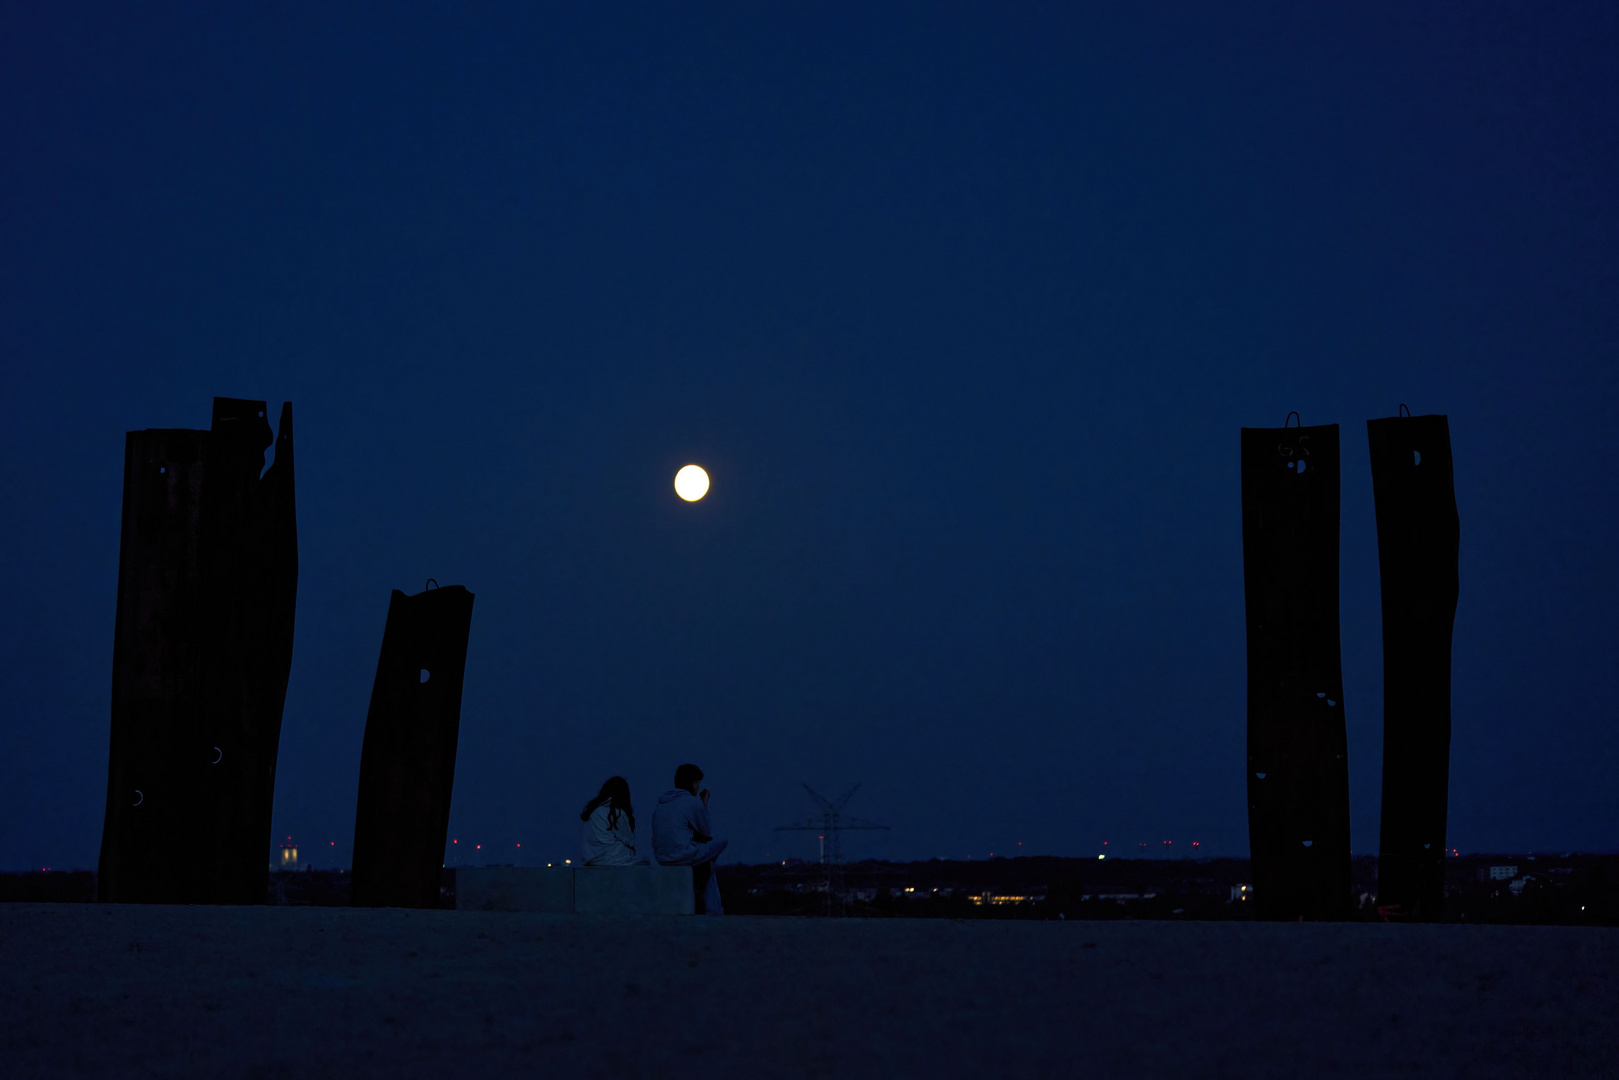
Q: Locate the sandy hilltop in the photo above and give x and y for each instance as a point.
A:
(98, 990)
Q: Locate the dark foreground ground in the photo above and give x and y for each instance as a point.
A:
(128, 991)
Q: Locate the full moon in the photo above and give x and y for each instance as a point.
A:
(691, 483)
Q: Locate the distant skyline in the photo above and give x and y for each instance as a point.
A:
(961, 309)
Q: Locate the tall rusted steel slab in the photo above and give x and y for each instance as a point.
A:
(1298, 771)
(152, 775)
(202, 651)
(407, 762)
(1418, 548)
(249, 554)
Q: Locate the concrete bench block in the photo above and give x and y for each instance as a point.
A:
(633, 890)
(515, 888)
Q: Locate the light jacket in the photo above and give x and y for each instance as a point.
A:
(681, 834)
(605, 844)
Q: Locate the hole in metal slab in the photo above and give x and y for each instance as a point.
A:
(163, 469)
(139, 798)
(1416, 457)
(425, 675)
(1331, 702)
(1322, 694)
(1309, 843)
(1260, 775)
(261, 412)
(1301, 467)
(1425, 847)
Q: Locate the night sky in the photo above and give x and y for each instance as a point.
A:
(961, 307)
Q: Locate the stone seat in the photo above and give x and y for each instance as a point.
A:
(583, 890)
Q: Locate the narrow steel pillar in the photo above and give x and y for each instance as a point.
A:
(407, 763)
(1418, 547)
(1298, 772)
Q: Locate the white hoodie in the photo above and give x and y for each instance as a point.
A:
(681, 834)
(605, 842)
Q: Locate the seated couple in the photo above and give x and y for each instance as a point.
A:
(681, 835)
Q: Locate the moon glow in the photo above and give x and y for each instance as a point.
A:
(691, 483)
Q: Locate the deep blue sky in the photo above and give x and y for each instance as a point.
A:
(961, 307)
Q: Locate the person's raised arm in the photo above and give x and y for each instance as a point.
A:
(702, 831)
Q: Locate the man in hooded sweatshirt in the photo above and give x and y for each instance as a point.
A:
(681, 836)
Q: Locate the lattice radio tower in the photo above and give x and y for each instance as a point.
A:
(830, 825)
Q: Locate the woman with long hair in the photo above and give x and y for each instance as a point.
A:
(608, 835)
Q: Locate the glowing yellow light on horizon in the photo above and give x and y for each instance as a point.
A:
(691, 483)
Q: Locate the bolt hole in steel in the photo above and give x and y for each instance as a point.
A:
(219, 755)
(139, 798)
(163, 469)
(425, 675)
(1260, 775)
(1416, 457)
(1309, 843)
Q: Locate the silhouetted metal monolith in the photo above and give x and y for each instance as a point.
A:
(1298, 773)
(407, 763)
(202, 651)
(1418, 547)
